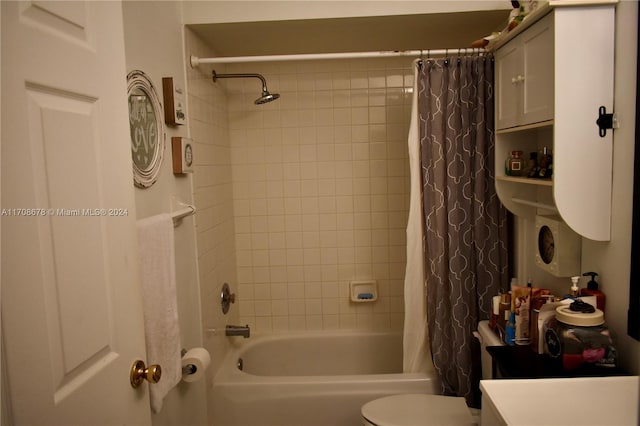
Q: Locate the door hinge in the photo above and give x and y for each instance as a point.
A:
(606, 121)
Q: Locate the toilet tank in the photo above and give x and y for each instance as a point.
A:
(487, 337)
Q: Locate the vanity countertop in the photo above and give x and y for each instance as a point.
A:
(561, 401)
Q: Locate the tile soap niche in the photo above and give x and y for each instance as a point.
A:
(363, 291)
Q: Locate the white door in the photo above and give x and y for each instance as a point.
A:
(71, 306)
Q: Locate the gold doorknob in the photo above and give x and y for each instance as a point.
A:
(139, 372)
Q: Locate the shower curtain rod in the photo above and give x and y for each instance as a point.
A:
(196, 61)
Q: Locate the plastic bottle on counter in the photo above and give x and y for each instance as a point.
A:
(575, 290)
(503, 310)
(592, 290)
(495, 311)
(510, 330)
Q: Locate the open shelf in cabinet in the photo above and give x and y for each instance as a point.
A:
(526, 180)
(526, 196)
(537, 205)
(539, 125)
(522, 195)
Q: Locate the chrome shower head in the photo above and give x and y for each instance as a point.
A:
(264, 97)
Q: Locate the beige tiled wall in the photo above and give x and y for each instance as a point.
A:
(320, 190)
(213, 197)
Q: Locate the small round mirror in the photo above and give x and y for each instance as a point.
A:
(145, 125)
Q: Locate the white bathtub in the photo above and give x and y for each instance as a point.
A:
(306, 379)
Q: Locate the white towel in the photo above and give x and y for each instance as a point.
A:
(160, 305)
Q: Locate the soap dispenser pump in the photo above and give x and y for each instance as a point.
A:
(575, 290)
(592, 290)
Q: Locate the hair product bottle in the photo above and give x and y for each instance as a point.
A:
(592, 290)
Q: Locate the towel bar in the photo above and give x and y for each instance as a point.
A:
(178, 215)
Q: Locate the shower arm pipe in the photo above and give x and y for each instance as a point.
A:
(242, 75)
(196, 61)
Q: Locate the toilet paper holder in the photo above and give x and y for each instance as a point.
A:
(189, 368)
(194, 362)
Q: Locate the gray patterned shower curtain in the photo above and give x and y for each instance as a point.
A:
(465, 224)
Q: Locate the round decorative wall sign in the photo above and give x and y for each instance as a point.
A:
(145, 124)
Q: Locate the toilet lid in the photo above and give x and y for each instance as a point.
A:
(417, 410)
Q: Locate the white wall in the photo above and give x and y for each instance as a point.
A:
(200, 12)
(154, 44)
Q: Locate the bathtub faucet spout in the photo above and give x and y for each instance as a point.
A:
(238, 330)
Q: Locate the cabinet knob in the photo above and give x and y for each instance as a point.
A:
(517, 79)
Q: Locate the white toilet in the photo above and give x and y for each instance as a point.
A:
(416, 410)
(426, 409)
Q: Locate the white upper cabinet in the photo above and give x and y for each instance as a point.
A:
(551, 80)
(524, 72)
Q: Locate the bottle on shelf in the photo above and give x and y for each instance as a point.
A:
(545, 163)
(515, 164)
(592, 290)
(531, 170)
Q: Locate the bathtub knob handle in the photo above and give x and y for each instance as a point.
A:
(139, 372)
(226, 298)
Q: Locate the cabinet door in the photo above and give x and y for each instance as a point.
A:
(508, 69)
(585, 84)
(537, 45)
